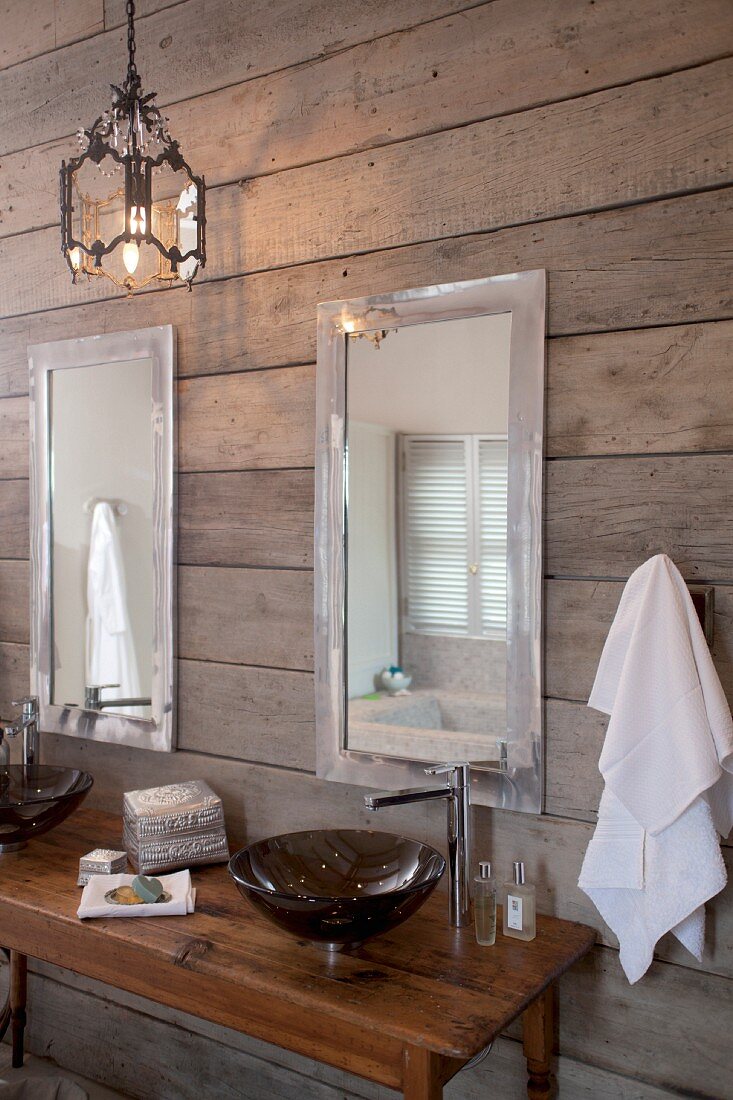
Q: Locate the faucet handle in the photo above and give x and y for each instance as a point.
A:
(451, 769)
(30, 701)
(439, 769)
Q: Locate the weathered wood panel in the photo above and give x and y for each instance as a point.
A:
(607, 516)
(600, 267)
(123, 1040)
(605, 1021)
(262, 518)
(259, 420)
(115, 14)
(14, 531)
(45, 25)
(573, 741)
(14, 675)
(641, 392)
(246, 616)
(218, 42)
(256, 714)
(578, 615)
(14, 379)
(14, 601)
(328, 209)
(405, 84)
(14, 436)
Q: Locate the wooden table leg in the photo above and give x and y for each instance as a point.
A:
(421, 1074)
(18, 991)
(538, 1035)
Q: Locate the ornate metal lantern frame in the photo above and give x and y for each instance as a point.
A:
(132, 135)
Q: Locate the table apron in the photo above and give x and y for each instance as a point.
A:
(322, 1037)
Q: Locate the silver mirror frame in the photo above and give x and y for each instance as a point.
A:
(157, 344)
(522, 294)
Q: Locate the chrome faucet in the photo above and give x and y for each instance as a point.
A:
(457, 792)
(27, 724)
(93, 699)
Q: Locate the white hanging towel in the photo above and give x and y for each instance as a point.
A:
(110, 651)
(667, 762)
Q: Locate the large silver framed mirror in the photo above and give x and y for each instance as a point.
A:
(428, 595)
(102, 536)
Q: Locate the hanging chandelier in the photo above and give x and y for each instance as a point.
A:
(131, 208)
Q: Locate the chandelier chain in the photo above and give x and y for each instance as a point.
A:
(131, 67)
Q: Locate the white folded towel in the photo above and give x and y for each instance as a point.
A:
(93, 904)
(667, 762)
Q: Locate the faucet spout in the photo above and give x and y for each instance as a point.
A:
(378, 799)
(457, 792)
(27, 724)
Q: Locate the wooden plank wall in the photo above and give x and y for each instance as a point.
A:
(352, 148)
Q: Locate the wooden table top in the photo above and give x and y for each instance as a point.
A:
(424, 983)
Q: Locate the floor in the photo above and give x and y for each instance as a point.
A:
(44, 1069)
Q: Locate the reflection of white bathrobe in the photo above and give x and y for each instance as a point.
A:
(110, 657)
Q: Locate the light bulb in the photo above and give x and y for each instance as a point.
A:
(134, 215)
(75, 258)
(130, 257)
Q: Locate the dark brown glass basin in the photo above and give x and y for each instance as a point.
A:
(337, 886)
(34, 799)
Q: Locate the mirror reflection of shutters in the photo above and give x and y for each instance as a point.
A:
(491, 457)
(454, 534)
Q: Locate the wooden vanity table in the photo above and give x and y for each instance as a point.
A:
(408, 1009)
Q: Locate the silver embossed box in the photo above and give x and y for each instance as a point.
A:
(102, 861)
(181, 825)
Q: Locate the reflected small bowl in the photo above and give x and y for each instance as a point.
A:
(393, 684)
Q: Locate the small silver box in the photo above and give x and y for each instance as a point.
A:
(102, 861)
(181, 825)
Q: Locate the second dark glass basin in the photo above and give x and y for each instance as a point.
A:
(337, 886)
(34, 799)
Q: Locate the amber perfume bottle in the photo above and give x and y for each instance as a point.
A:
(519, 906)
(484, 906)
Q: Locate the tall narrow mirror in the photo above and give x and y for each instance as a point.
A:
(102, 536)
(428, 536)
(426, 594)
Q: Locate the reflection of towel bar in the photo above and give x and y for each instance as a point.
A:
(118, 506)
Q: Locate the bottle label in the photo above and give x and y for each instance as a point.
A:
(514, 912)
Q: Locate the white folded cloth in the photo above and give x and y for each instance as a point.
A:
(178, 885)
(667, 763)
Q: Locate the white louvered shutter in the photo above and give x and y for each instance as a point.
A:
(454, 534)
(435, 534)
(492, 534)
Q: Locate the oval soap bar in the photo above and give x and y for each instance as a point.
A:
(147, 889)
